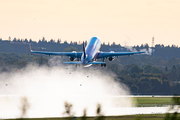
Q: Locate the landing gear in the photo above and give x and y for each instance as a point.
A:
(103, 59)
(103, 65)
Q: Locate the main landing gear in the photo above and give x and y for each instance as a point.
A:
(103, 65)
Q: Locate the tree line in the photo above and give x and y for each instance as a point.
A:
(21, 46)
(147, 75)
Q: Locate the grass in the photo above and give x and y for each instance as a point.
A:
(153, 101)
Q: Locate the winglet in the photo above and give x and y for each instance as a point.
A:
(30, 47)
(84, 50)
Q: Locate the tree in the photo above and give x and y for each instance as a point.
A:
(136, 70)
(148, 69)
(156, 84)
(134, 88)
(4, 70)
(25, 40)
(85, 42)
(14, 40)
(70, 49)
(166, 68)
(174, 116)
(21, 64)
(9, 38)
(174, 73)
(43, 39)
(68, 109)
(71, 43)
(166, 87)
(52, 41)
(59, 41)
(113, 43)
(144, 87)
(172, 61)
(39, 41)
(114, 67)
(178, 72)
(30, 40)
(151, 69)
(42, 61)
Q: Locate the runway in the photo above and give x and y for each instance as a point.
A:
(48, 106)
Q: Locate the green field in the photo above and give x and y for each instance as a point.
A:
(153, 101)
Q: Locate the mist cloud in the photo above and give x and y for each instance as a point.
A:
(47, 88)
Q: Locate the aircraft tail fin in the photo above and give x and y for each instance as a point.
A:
(84, 50)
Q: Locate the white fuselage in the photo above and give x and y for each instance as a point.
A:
(91, 50)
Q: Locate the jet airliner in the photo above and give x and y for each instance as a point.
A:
(89, 55)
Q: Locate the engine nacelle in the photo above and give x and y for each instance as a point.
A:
(111, 58)
(72, 58)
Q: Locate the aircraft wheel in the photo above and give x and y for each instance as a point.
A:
(101, 65)
(104, 65)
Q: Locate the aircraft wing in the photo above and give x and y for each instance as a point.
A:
(111, 54)
(70, 54)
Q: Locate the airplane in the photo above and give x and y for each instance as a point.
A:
(89, 55)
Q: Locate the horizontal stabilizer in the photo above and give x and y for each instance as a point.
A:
(72, 62)
(96, 63)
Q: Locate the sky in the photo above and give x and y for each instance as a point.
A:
(125, 22)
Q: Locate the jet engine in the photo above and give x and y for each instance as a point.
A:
(72, 58)
(111, 58)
